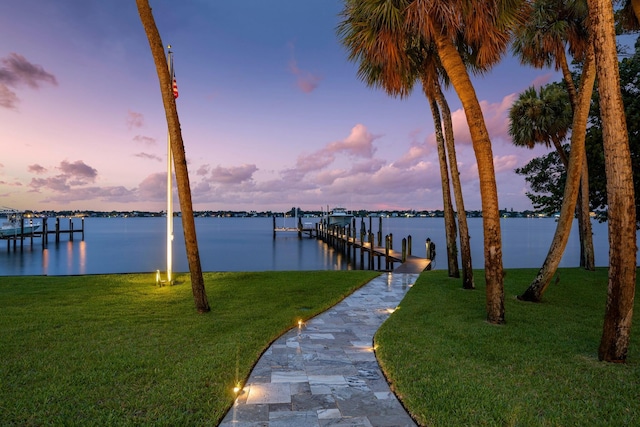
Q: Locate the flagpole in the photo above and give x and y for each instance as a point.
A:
(169, 185)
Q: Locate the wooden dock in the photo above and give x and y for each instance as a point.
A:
(301, 229)
(44, 233)
(365, 247)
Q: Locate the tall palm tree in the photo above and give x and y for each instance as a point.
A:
(395, 66)
(177, 149)
(458, 30)
(463, 228)
(620, 191)
(449, 219)
(482, 30)
(552, 28)
(572, 185)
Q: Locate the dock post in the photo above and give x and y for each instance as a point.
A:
(371, 266)
(404, 250)
(390, 248)
(71, 229)
(386, 252)
(21, 232)
(57, 229)
(362, 249)
(83, 229)
(355, 241)
(409, 245)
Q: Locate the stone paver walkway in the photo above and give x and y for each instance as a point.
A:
(324, 373)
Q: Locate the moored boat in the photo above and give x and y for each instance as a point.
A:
(340, 217)
(14, 225)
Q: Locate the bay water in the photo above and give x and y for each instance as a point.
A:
(137, 244)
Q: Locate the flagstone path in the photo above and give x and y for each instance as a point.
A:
(324, 373)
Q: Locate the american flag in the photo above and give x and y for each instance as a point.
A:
(175, 88)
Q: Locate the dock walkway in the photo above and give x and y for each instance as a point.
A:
(345, 241)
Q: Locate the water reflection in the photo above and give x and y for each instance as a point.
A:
(124, 245)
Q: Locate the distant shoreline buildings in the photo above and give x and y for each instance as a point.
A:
(362, 213)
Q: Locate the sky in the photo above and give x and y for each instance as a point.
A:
(273, 114)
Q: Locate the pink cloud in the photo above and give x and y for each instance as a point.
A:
(306, 81)
(78, 170)
(358, 143)
(147, 140)
(153, 187)
(134, 120)
(8, 98)
(15, 71)
(203, 170)
(148, 156)
(505, 163)
(496, 118)
(233, 175)
(73, 175)
(542, 80)
(37, 169)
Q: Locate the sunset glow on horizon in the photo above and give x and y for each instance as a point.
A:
(272, 113)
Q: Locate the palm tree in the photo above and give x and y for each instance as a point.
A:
(620, 191)
(552, 28)
(177, 149)
(463, 228)
(481, 30)
(449, 219)
(396, 69)
(572, 185)
(541, 118)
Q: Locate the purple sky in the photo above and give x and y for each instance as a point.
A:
(272, 113)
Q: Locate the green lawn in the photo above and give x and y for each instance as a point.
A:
(541, 368)
(117, 350)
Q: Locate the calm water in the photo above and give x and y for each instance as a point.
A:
(125, 245)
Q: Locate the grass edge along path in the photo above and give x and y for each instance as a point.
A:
(450, 367)
(117, 350)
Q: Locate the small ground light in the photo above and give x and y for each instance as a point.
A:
(236, 389)
(299, 323)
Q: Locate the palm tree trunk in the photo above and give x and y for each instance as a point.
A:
(574, 172)
(179, 158)
(587, 253)
(449, 220)
(457, 72)
(463, 228)
(620, 192)
(560, 150)
(635, 5)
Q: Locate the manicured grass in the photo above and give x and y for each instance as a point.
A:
(450, 367)
(117, 350)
